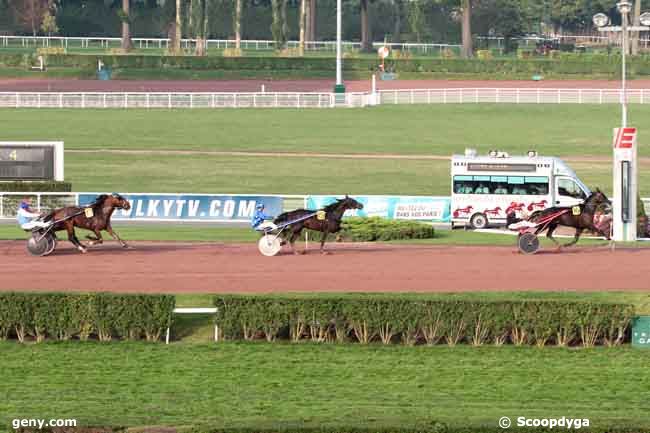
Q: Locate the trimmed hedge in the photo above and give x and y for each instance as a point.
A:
(422, 320)
(63, 316)
(38, 186)
(381, 229)
(566, 64)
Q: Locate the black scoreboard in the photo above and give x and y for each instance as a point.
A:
(26, 162)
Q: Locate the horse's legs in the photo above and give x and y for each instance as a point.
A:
(95, 240)
(72, 237)
(294, 235)
(575, 238)
(322, 242)
(115, 236)
(549, 234)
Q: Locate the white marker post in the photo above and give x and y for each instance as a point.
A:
(625, 184)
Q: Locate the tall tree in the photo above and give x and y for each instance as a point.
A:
(29, 13)
(279, 26)
(397, 21)
(311, 20)
(126, 25)
(466, 28)
(366, 43)
(637, 22)
(301, 26)
(199, 24)
(237, 23)
(176, 43)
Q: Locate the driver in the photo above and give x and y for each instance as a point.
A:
(27, 218)
(259, 217)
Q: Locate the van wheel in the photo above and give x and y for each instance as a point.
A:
(478, 221)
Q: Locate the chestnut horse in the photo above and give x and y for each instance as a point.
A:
(94, 217)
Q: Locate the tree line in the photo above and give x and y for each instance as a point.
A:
(446, 21)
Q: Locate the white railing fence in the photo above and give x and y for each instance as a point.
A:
(318, 100)
(166, 100)
(511, 96)
(163, 43)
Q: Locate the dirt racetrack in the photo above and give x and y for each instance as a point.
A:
(212, 267)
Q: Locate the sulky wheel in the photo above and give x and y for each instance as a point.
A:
(38, 245)
(269, 245)
(51, 244)
(528, 243)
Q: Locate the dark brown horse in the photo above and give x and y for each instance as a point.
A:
(327, 221)
(581, 217)
(94, 217)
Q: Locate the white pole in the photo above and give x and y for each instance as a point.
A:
(339, 80)
(623, 72)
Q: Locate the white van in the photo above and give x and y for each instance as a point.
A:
(484, 189)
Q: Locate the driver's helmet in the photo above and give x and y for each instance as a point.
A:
(260, 206)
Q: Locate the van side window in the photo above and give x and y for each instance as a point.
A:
(569, 188)
(515, 185)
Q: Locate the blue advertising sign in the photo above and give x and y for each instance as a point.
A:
(192, 207)
(393, 207)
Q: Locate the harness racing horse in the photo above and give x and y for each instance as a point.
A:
(94, 217)
(581, 217)
(326, 221)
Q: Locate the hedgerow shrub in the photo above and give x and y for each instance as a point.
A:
(567, 64)
(422, 320)
(382, 229)
(62, 316)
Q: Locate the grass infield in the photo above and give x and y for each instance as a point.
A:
(580, 133)
(236, 384)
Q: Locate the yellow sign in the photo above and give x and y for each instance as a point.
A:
(320, 215)
(89, 212)
(576, 210)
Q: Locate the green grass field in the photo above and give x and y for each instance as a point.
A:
(559, 130)
(273, 385)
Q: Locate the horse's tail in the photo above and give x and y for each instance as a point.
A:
(511, 218)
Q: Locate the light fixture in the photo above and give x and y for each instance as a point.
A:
(600, 20)
(470, 152)
(624, 7)
(532, 154)
(493, 153)
(645, 19)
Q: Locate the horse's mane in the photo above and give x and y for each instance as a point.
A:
(332, 206)
(99, 201)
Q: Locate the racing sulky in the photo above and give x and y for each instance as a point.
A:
(326, 221)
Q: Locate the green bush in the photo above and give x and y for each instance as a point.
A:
(568, 64)
(19, 186)
(381, 229)
(62, 316)
(422, 319)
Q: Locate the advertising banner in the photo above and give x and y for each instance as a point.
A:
(191, 207)
(420, 208)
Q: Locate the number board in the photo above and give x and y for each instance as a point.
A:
(29, 162)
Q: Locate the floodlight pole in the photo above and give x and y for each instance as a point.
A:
(339, 87)
(625, 173)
